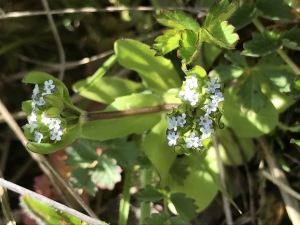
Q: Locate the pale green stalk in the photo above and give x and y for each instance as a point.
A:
(146, 177)
(125, 201)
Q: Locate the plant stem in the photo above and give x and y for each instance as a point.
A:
(146, 176)
(280, 52)
(101, 115)
(284, 127)
(125, 201)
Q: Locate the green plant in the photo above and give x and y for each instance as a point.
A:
(164, 116)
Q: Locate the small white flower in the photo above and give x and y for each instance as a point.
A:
(192, 82)
(205, 121)
(211, 86)
(210, 107)
(172, 137)
(38, 136)
(192, 141)
(172, 123)
(54, 124)
(33, 105)
(194, 99)
(217, 97)
(31, 125)
(35, 91)
(45, 120)
(206, 132)
(49, 86)
(41, 101)
(187, 94)
(56, 134)
(181, 120)
(33, 117)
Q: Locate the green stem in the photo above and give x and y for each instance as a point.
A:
(101, 115)
(146, 177)
(284, 127)
(125, 201)
(280, 52)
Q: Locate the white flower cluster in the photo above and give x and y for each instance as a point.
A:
(204, 124)
(37, 119)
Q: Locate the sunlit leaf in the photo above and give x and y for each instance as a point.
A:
(158, 73)
(250, 96)
(262, 43)
(225, 73)
(184, 206)
(167, 42)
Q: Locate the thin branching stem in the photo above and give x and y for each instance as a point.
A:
(60, 48)
(49, 202)
(125, 200)
(201, 12)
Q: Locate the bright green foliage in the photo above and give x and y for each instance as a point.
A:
(250, 124)
(44, 214)
(120, 127)
(186, 35)
(199, 184)
(275, 72)
(91, 169)
(151, 194)
(295, 88)
(85, 85)
(291, 39)
(275, 10)
(184, 206)
(243, 15)
(225, 73)
(250, 96)
(262, 43)
(187, 44)
(179, 171)
(178, 21)
(230, 148)
(156, 148)
(124, 152)
(164, 219)
(157, 73)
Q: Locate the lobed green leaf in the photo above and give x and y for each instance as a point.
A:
(151, 194)
(189, 46)
(275, 10)
(184, 206)
(80, 177)
(291, 39)
(243, 15)
(167, 42)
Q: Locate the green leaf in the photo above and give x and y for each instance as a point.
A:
(219, 12)
(177, 20)
(54, 100)
(236, 58)
(26, 107)
(151, 194)
(199, 184)
(275, 10)
(179, 171)
(158, 73)
(185, 206)
(80, 178)
(40, 77)
(44, 214)
(250, 96)
(210, 54)
(107, 89)
(106, 173)
(225, 73)
(262, 43)
(86, 84)
(53, 112)
(291, 39)
(189, 46)
(125, 153)
(275, 71)
(164, 219)
(221, 34)
(121, 127)
(81, 154)
(230, 150)
(156, 148)
(167, 42)
(71, 133)
(243, 16)
(250, 124)
(295, 88)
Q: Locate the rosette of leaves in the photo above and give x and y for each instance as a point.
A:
(187, 35)
(50, 108)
